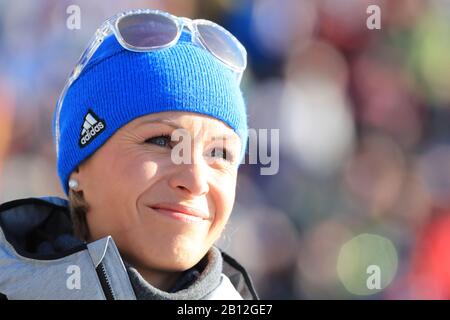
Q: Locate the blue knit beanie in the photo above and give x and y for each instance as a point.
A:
(119, 85)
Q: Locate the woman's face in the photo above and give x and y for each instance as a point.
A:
(137, 193)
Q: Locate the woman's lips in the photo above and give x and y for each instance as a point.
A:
(180, 212)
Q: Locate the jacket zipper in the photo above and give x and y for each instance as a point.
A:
(106, 285)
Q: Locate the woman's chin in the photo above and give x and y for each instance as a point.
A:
(167, 248)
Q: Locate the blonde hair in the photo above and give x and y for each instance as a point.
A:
(78, 209)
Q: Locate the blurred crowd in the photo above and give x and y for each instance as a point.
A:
(364, 120)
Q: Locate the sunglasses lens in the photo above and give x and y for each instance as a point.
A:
(223, 45)
(147, 30)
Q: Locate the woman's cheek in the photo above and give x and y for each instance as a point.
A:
(139, 172)
(224, 205)
(229, 191)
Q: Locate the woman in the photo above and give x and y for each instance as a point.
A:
(150, 130)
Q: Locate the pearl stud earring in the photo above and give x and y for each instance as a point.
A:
(73, 184)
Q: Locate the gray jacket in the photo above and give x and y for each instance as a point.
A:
(41, 259)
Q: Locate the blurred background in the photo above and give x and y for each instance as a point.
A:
(364, 120)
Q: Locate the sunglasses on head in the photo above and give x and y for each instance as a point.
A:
(148, 30)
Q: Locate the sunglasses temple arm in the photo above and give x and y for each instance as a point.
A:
(239, 77)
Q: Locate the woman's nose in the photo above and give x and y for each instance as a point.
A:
(191, 178)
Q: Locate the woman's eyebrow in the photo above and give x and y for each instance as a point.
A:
(226, 140)
(175, 125)
(164, 121)
(225, 137)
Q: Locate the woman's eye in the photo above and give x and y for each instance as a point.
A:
(162, 141)
(221, 153)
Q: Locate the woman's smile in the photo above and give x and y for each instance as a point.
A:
(181, 212)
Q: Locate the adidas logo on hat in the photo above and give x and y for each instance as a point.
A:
(91, 128)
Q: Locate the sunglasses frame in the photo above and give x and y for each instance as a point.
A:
(110, 26)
